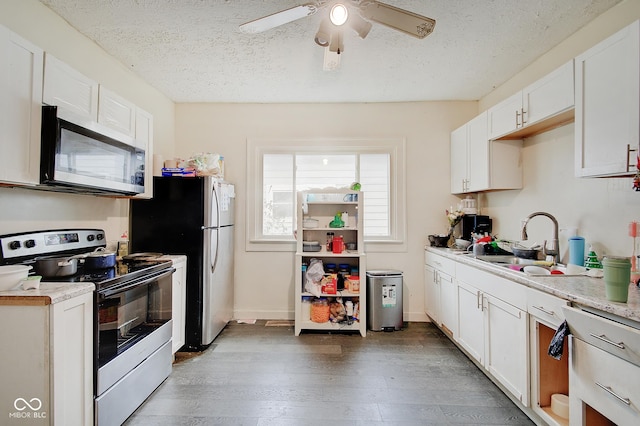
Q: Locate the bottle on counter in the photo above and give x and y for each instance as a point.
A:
(576, 250)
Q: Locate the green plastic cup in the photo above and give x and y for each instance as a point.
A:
(617, 276)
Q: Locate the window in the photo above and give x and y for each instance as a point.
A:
(277, 170)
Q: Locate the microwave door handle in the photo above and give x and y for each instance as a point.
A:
(135, 283)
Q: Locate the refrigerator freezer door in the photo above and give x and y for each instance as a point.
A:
(220, 203)
(218, 282)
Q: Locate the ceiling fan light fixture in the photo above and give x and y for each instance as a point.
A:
(323, 36)
(339, 14)
(360, 26)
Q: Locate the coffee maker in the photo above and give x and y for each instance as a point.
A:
(474, 223)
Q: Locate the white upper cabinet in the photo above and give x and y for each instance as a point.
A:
(470, 156)
(116, 112)
(75, 95)
(143, 128)
(546, 103)
(505, 117)
(607, 79)
(478, 164)
(144, 140)
(20, 109)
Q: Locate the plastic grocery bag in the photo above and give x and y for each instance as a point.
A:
(313, 278)
(557, 343)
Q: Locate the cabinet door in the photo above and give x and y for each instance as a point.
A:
(549, 96)
(72, 360)
(478, 154)
(607, 86)
(471, 320)
(20, 108)
(431, 293)
(459, 174)
(116, 112)
(506, 346)
(144, 140)
(75, 94)
(506, 116)
(178, 305)
(448, 304)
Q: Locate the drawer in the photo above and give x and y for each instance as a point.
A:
(440, 263)
(546, 306)
(606, 383)
(613, 337)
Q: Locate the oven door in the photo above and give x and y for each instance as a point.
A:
(134, 314)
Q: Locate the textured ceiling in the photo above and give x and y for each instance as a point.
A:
(192, 50)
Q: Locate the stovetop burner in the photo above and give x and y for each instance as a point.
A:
(103, 277)
(25, 247)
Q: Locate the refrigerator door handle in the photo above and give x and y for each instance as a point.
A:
(216, 200)
(208, 227)
(214, 248)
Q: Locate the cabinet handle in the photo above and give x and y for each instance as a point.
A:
(604, 339)
(478, 300)
(608, 389)
(517, 119)
(540, 308)
(630, 164)
(522, 113)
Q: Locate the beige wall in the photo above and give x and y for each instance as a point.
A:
(264, 281)
(599, 208)
(24, 210)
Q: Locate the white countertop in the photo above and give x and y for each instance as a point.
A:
(48, 293)
(582, 290)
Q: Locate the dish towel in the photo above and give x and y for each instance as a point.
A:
(557, 343)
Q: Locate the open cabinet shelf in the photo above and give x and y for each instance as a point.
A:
(323, 205)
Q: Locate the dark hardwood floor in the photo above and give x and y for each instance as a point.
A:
(262, 375)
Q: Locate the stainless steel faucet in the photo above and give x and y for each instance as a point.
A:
(554, 250)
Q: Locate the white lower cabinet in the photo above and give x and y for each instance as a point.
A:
(47, 361)
(602, 395)
(494, 330)
(506, 349)
(440, 291)
(548, 375)
(471, 321)
(178, 302)
(495, 334)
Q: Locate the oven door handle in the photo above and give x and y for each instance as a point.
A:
(128, 285)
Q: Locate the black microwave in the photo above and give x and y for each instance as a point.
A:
(74, 158)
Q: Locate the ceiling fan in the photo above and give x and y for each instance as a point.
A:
(355, 14)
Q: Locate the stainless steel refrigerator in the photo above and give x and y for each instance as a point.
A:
(192, 216)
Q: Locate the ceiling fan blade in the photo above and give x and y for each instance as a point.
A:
(279, 18)
(399, 19)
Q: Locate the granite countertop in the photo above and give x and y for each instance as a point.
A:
(48, 293)
(582, 290)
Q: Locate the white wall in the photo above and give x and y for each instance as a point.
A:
(599, 208)
(24, 210)
(264, 281)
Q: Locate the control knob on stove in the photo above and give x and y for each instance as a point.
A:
(90, 237)
(30, 243)
(15, 245)
(100, 237)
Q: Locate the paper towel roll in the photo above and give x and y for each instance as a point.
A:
(158, 164)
